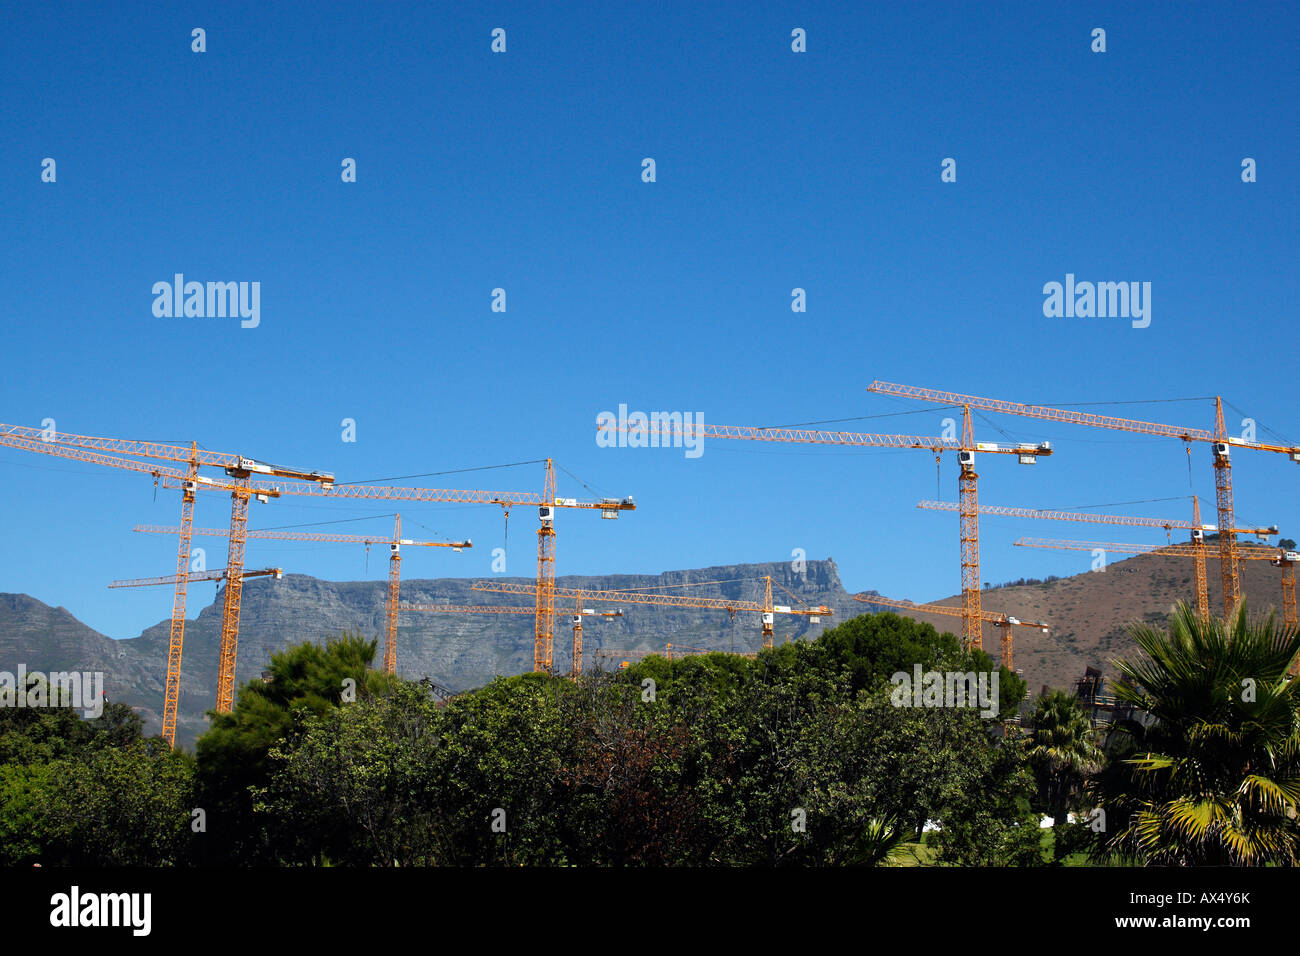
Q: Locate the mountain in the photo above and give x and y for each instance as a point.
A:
(1087, 613)
(458, 651)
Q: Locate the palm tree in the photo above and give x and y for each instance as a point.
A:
(1062, 752)
(879, 842)
(1217, 779)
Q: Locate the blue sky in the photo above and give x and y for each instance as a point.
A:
(522, 171)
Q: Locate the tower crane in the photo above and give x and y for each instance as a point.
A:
(218, 575)
(22, 436)
(1278, 557)
(322, 485)
(1220, 442)
(243, 486)
(765, 608)
(239, 469)
(395, 544)
(547, 503)
(1027, 453)
(686, 650)
(624, 657)
(1093, 517)
(1003, 622)
(578, 613)
(93, 450)
(1195, 526)
(187, 482)
(1286, 560)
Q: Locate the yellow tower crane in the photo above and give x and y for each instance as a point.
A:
(395, 544)
(547, 503)
(187, 482)
(966, 448)
(1278, 557)
(1005, 623)
(217, 575)
(1220, 442)
(109, 452)
(116, 452)
(578, 613)
(1197, 529)
(765, 608)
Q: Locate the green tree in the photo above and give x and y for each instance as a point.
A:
(499, 769)
(40, 735)
(351, 785)
(233, 753)
(992, 822)
(23, 794)
(119, 806)
(629, 774)
(46, 750)
(1217, 781)
(1062, 752)
(797, 757)
(1064, 755)
(872, 647)
(807, 735)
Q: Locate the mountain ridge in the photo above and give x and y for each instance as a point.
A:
(1088, 614)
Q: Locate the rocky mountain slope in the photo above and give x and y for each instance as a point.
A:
(456, 650)
(1088, 614)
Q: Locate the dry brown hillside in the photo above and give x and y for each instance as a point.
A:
(1088, 612)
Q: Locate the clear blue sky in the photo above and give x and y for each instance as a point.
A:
(522, 170)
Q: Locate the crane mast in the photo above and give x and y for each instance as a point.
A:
(176, 632)
(543, 625)
(394, 595)
(968, 488)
